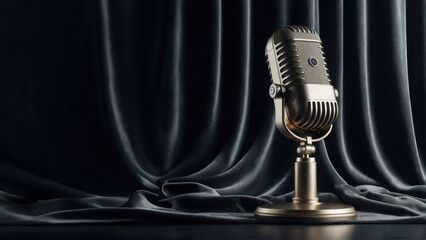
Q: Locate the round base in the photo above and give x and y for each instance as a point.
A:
(306, 212)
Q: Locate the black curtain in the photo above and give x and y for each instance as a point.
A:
(158, 111)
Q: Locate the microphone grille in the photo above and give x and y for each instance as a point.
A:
(301, 29)
(318, 115)
(287, 51)
(289, 63)
(269, 67)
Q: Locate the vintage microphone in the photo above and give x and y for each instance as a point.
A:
(305, 110)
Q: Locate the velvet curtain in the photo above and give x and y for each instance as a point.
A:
(158, 111)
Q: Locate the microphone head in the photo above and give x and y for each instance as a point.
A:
(298, 69)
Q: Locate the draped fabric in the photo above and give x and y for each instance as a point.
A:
(158, 111)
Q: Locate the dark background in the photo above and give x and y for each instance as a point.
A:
(157, 110)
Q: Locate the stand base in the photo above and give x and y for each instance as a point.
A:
(306, 212)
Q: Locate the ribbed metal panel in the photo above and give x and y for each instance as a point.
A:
(318, 115)
(303, 29)
(289, 63)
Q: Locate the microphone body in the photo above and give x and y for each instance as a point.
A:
(305, 101)
(305, 110)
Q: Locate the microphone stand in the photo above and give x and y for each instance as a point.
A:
(305, 206)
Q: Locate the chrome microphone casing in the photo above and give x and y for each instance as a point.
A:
(305, 110)
(304, 99)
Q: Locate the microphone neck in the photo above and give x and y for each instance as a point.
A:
(306, 148)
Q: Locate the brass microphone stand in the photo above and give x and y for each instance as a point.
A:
(305, 206)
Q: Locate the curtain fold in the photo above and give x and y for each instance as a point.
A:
(158, 111)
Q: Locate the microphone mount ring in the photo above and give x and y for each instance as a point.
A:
(276, 92)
